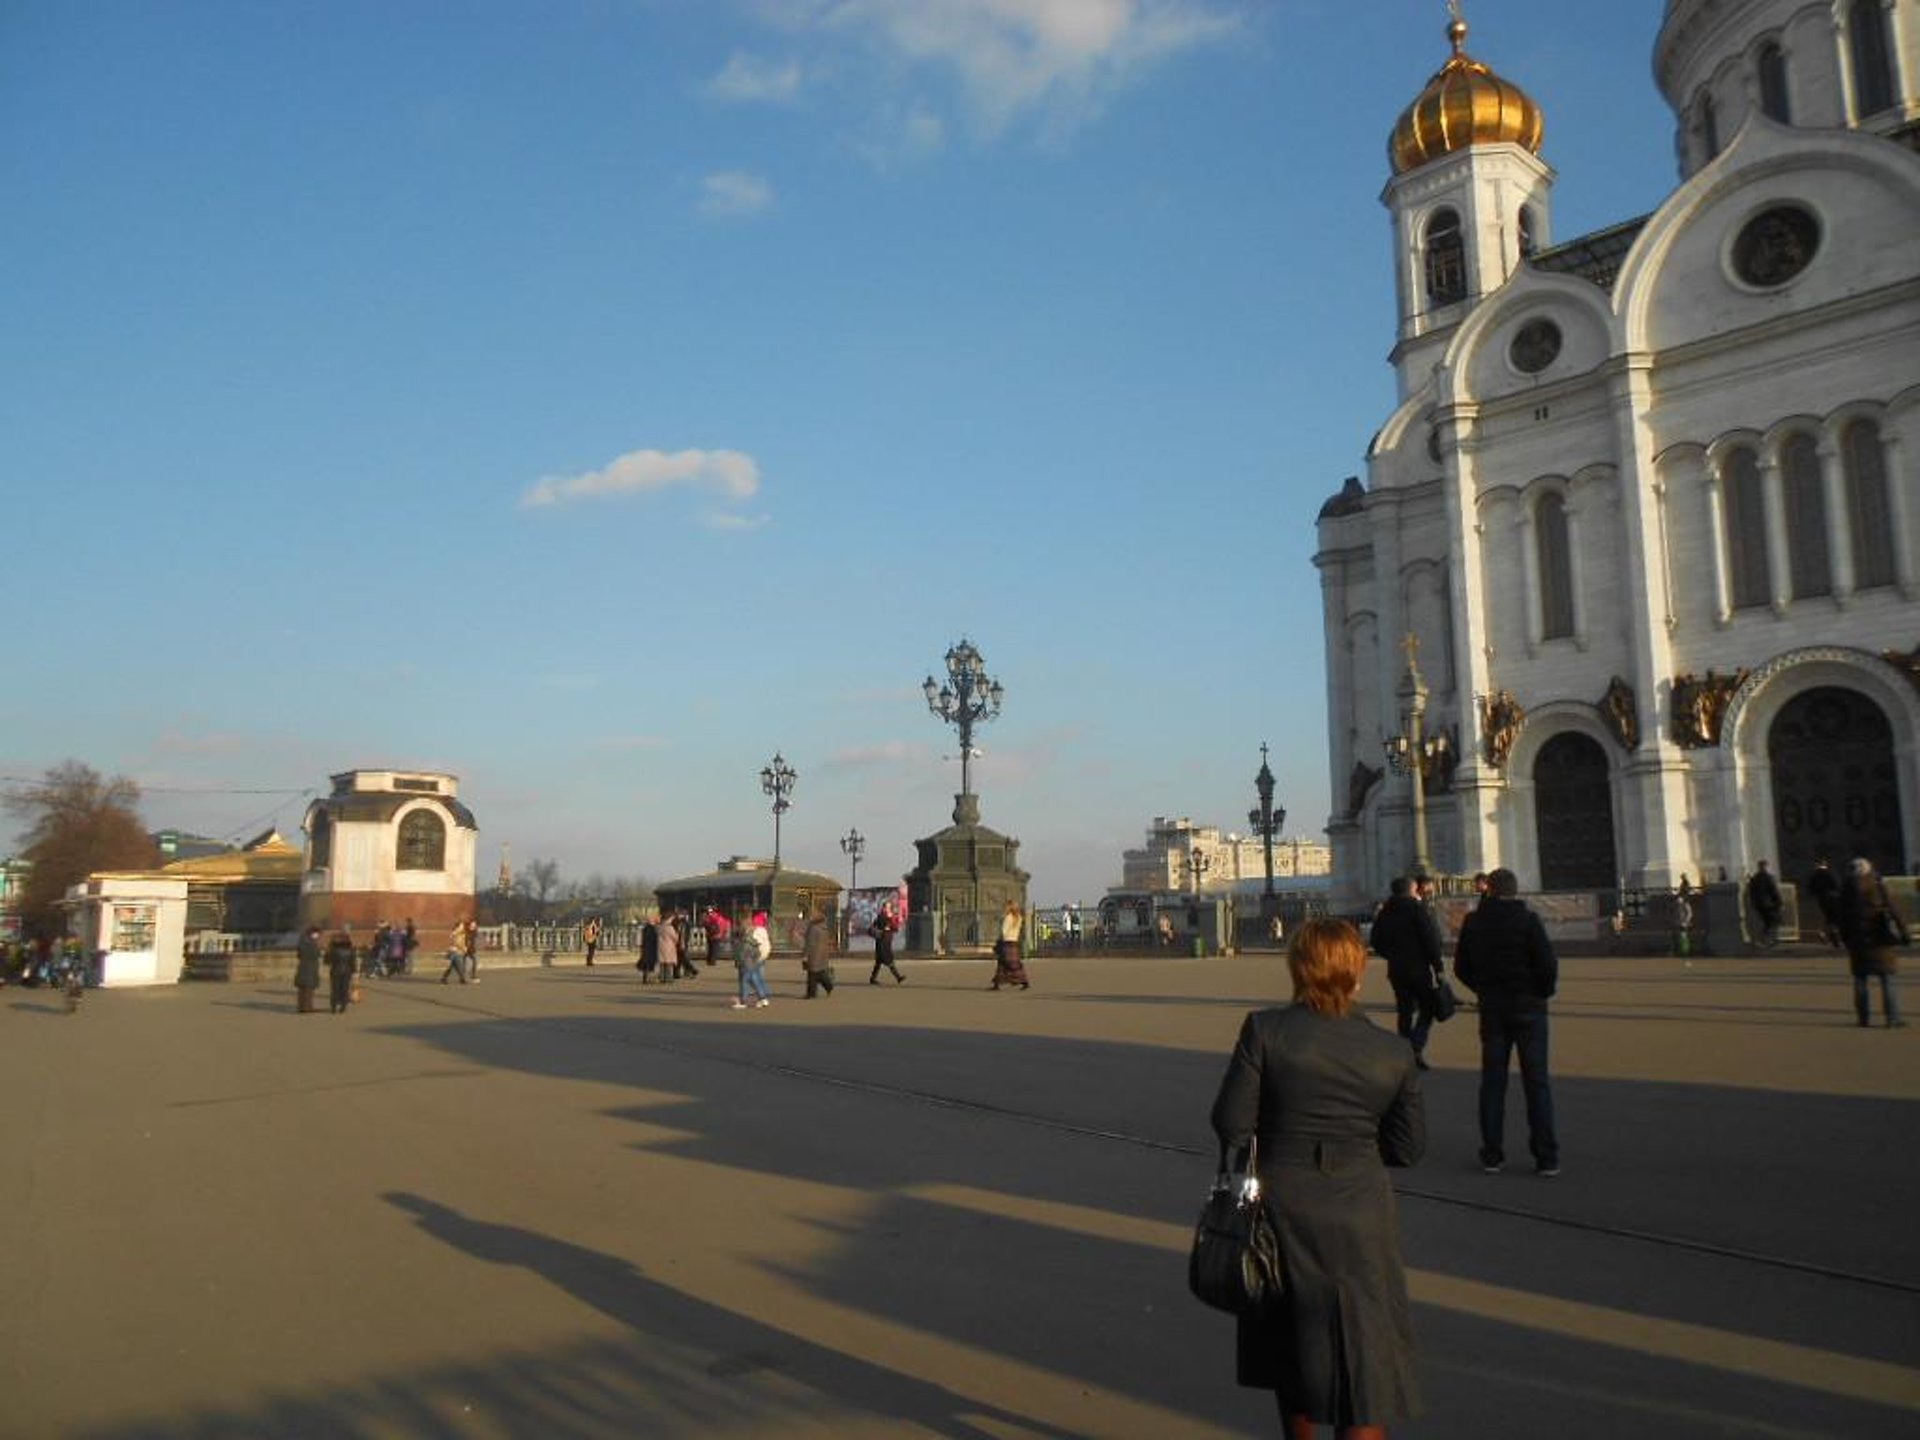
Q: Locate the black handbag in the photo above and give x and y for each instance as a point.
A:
(1446, 1004)
(1235, 1265)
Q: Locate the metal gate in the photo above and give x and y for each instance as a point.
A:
(1573, 814)
(1835, 793)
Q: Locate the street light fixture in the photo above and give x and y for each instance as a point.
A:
(853, 845)
(1267, 821)
(1414, 753)
(970, 697)
(1198, 863)
(776, 779)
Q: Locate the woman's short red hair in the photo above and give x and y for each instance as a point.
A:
(1326, 959)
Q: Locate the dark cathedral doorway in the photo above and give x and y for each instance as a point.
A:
(1573, 815)
(1835, 788)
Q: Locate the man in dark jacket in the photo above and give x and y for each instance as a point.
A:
(816, 954)
(1408, 936)
(1824, 886)
(1505, 958)
(1763, 893)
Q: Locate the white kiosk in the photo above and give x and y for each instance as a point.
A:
(139, 920)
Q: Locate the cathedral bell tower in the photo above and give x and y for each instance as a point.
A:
(1469, 198)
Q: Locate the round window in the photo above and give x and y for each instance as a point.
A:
(1775, 245)
(1535, 346)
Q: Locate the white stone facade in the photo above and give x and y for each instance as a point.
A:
(1642, 468)
(1225, 859)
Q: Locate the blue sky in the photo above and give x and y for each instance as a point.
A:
(592, 397)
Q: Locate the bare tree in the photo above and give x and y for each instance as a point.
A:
(77, 822)
(542, 878)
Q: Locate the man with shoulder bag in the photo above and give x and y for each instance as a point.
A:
(1408, 937)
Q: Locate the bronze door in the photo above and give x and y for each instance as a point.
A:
(1573, 815)
(1830, 753)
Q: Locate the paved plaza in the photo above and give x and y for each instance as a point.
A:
(559, 1204)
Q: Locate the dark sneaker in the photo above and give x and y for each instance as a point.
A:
(1491, 1167)
(1549, 1170)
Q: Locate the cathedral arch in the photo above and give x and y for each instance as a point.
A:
(1800, 730)
(1743, 528)
(1872, 532)
(1803, 492)
(1564, 788)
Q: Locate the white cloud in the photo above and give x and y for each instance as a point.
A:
(734, 195)
(1059, 58)
(734, 476)
(751, 79)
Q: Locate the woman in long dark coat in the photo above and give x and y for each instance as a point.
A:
(1332, 1100)
(306, 969)
(1870, 928)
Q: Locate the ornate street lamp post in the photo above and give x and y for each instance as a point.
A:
(1267, 821)
(776, 779)
(1198, 863)
(1413, 752)
(970, 697)
(853, 845)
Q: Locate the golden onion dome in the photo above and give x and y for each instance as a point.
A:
(1464, 104)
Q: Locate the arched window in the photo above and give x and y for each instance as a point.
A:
(1869, 512)
(321, 837)
(1872, 58)
(1556, 567)
(1772, 66)
(1529, 232)
(1446, 259)
(1746, 518)
(423, 842)
(1706, 121)
(1806, 510)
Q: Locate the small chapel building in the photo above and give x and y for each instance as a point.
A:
(389, 845)
(1647, 503)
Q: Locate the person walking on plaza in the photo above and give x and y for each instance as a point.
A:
(409, 942)
(719, 931)
(649, 960)
(1506, 959)
(459, 953)
(340, 968)
(816, 953)
(1331, 1101)
(882, 930)
(306, 968)
(1763, 893)
(684, 968)
(1008, 967)
(751, 946)
(590, 936)
(670, 951)
(1872, 931)
(1824, 886)
(1408, 937)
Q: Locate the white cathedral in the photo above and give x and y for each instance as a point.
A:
(1645, 515)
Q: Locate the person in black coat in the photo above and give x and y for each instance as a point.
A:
(1763, 893)
(1872, 930)
(882, 930)
(1331, 1100)
(1506, 959)
(1408, 937)
(341, 962)
(306, 968)
(1824, 886)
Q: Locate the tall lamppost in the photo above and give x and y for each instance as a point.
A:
(1267, 820)
(970, 697)
(1413, 752)
(853, 845)
(1198, 863)
(776, 779)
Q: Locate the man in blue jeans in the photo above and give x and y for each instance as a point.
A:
(1506, 959)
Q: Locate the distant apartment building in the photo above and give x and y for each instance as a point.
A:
(1225, 860)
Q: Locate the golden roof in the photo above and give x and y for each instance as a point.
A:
(268, 858)
(1464, 104)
